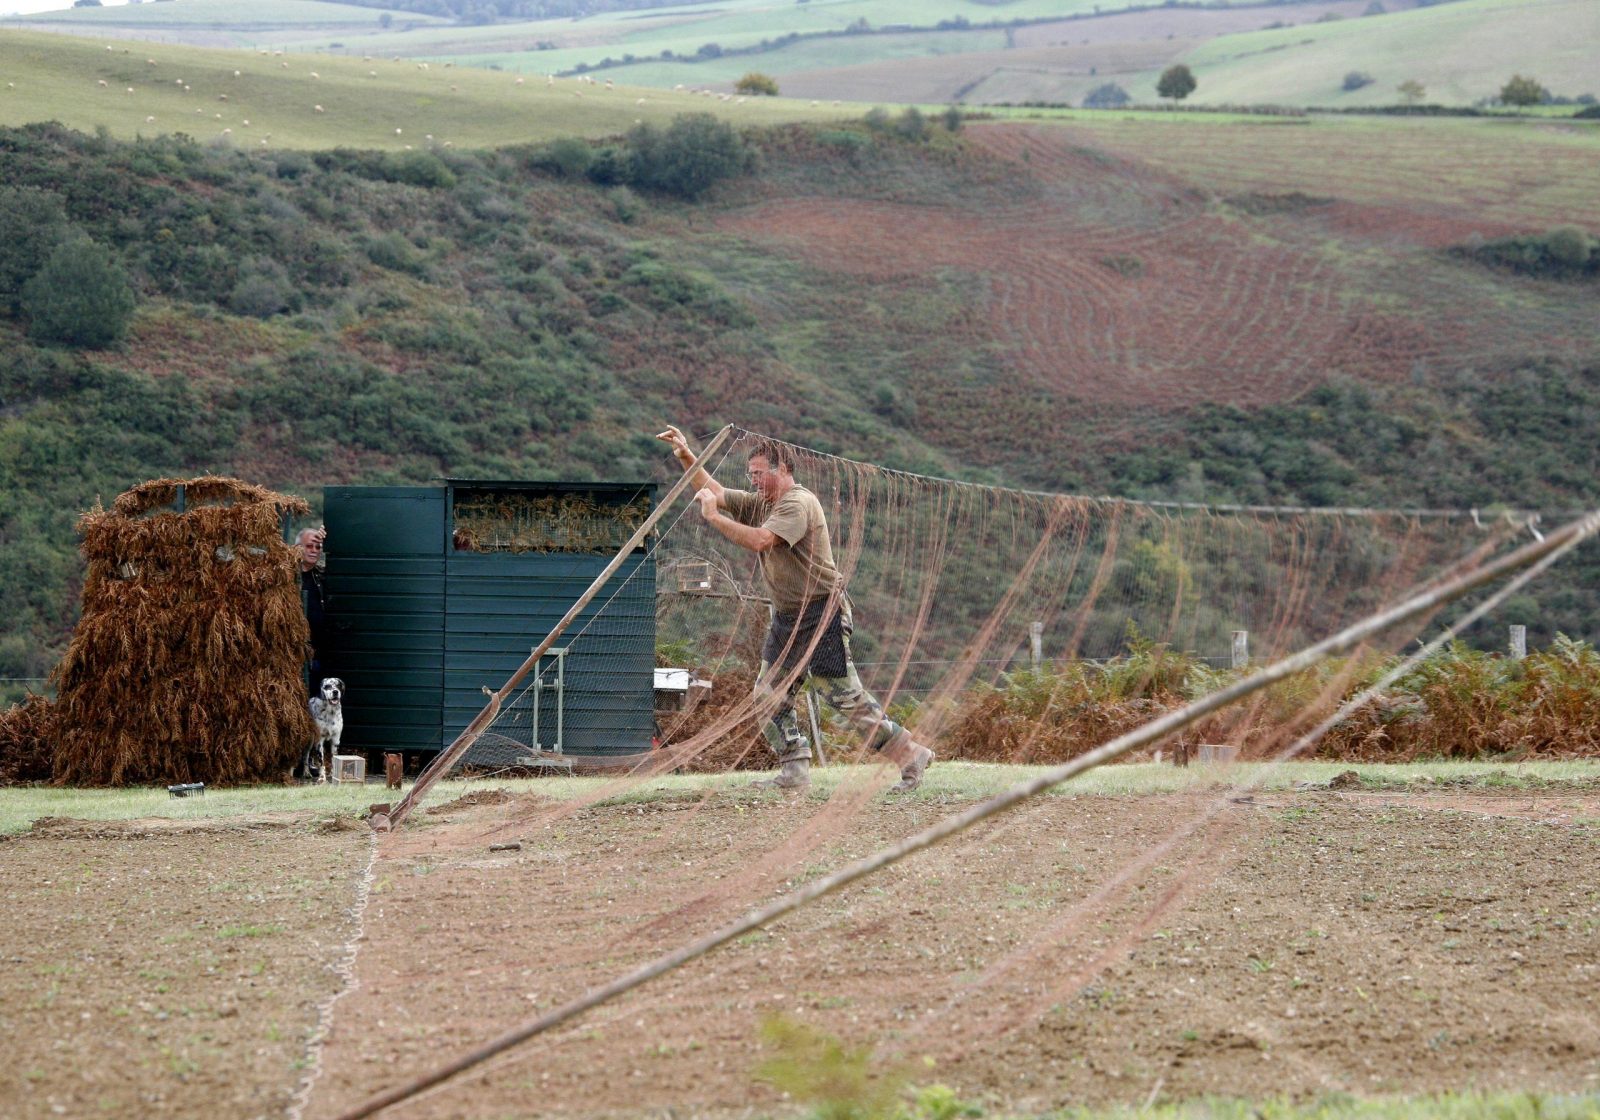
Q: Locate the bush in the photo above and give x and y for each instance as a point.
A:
(263, 289)
(1176, 82)
(1357, 79)
(1108, 96)
(1592, 112)
(32, 224)
(757, 85)
(688, 157)
(80, 296)
(1523, 91)
(568, 157)
(912, 125)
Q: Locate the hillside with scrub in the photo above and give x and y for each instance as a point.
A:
(1328, 311)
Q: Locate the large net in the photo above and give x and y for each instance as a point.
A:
(1010, 626)
(996, 624)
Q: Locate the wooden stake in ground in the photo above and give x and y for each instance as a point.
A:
(446, 758)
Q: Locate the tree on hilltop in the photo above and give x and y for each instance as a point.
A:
(757, 84)
(1176, 82)
(1412, 90)
(1523, 91)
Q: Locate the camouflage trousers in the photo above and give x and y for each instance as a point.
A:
(775, 709)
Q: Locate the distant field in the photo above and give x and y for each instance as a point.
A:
(260, 97)
(1460, 52)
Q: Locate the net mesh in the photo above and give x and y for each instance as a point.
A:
(993, 623)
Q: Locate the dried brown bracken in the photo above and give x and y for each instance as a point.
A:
(186, 664)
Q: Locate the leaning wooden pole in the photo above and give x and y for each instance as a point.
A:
(1152, 732)
(445, 759)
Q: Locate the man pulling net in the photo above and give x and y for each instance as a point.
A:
(809, 636)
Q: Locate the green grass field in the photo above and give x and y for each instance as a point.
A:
(257, 15)
(254, 99)
(950, 781)
(1461, 52)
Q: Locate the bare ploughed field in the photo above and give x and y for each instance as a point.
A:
(1298, 943)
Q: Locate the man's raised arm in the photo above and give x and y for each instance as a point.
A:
(701, 479)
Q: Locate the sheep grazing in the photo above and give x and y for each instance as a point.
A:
(237, 74)
(149, 120)
(372, 73)
(283, 66)
(263, 143)
(108, 46)
(222, 97)
(455, 89)
(104, 84)
(246, 124)
(149, 62)
(639, 102)
(177, 81)
(317, 108)
(227, 132)
(314, 74)
(518, 82)
(608, 83)
(217, 115)
(397, 132)
(130, 89)
(366, 58)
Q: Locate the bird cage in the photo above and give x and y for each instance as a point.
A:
(694, 576)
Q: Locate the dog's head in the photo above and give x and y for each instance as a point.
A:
(332, 690)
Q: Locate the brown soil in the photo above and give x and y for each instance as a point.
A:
(157, 968)
(1299, 943)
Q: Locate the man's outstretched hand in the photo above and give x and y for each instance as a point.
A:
(708, 502)
(679, 442)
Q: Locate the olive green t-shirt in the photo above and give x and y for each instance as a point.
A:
(799, 568)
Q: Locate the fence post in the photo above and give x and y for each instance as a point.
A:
(1519, 642)
(1036, 642)
(1241, 649)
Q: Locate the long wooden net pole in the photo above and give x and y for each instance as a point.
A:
(1149, 733)
(446, 758)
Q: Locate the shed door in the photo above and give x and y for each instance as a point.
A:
(386, 609)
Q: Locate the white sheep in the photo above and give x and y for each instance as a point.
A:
(149, 120)
(518, 82)
(314, 74)
(237, 74)
(104, 84)
(227, 132)
(130, 89)
(639, 102)
(397, 132)
(317, 108)
(222, 97)
(372, 73)
(246, 124)
(283, 66)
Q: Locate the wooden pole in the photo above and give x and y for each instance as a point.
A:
(1154, 731)
(1036, 642)
(1241, 649)
(446, 758)
(1519, 642)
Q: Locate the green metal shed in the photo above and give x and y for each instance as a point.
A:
(434, 592)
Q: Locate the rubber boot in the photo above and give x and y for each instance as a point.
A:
(913, 759)
(795, 774)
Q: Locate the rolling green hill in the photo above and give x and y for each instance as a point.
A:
(1461, 52)
(256, 99)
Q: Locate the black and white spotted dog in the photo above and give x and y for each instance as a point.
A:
(327, 712)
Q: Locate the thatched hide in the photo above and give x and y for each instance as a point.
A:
(186, 663)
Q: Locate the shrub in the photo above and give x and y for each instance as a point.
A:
(568, 157)
(687, 158)
(1176, 82)
(80, 296)
(263, 289)
(912, 125)
(1523, 91)
(32, 224)
(757, 84)
(1108, 96)
(1356, 79)
(1569, 247)
(394, 252)
(1589, 113)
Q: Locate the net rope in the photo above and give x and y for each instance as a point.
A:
(946, 579)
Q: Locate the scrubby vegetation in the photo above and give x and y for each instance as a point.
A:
(303, 319)
(1460, 703)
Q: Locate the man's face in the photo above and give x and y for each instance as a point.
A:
(764, 478)
(310, 551)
